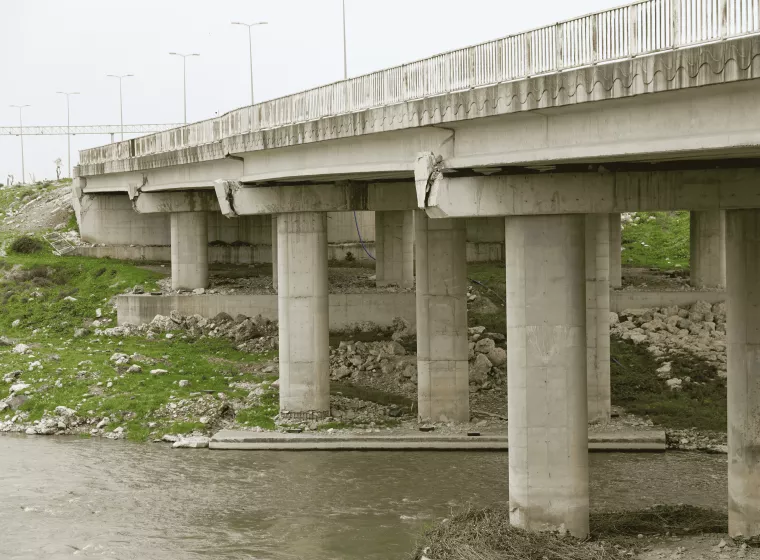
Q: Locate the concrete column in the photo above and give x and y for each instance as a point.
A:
(394, 248)
(707, 249)
(598, 317)
(546, 337)
(189, 238)
(274, 251)
(442, 369)
(743, 332)
(303, 314)
(616, 243)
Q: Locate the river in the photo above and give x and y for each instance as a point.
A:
(70, 497)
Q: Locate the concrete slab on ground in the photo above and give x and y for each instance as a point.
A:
(653, 440)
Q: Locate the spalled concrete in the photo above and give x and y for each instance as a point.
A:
(743, 333)
(547, 409)
(189, 235)
(442, 368)
(394, 248)
(707, 247)
(303, 315)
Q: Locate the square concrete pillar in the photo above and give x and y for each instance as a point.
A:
(394, 248)
(274, 251)
(189, 251)
(546, 371)
(616, 256)
(302, 302)
(743, 333)
(708, 249)
(442, 369)
(598, 317)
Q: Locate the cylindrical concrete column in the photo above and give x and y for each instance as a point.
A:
(616, 257)
(394, 248)
(303, 314)
(743, 332)
(189, 237)
(442, 369)
(708, 249)
(598, 317)
(546, 359)
(274, 251)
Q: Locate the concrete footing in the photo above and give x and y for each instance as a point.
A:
(442, 369)
(189, 252)
(547, 408)
(598, 317)
(394, 248)
(743, 332)
(303, 315)
(616, 255)
(707, 249)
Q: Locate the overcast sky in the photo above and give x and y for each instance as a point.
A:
(55, 45)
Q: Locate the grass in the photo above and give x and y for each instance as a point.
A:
(636, 387)
(486, 534)
(489, 280)
(657, 240)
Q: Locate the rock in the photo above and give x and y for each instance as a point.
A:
(103, 423)
(498, 356)
(18, 387)
(5, 342)
(221, 318)
(169, 438)
(675, 384)
(98, 313)
(342, 372)
(134, 369)
(64, 411)
(614, 318)
(476, 330)
(638, 338)
(480, 368)
(138, 289)
(69, 298)
(199, 291)
(80, 333)
(16, 401)
(169, 336)
(4, 406)
(193, 442)
(484, 345)
(158, 372)
(119, 359)
(35, 365)
(16, 323)
(184, 383)
(664, 370)
(20, 349)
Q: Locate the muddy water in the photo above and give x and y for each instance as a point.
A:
(64, 498)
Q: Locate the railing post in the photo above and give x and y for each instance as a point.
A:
(723, 18)
(594, 39)
(559, 46)
(472, 80)
(528, 55)
(633, 30)
(675, 23)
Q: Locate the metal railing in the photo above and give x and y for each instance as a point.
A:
(641, 28)
(61, 130)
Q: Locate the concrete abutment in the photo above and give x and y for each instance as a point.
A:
(547, 408)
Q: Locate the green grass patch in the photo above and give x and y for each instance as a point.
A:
(657, 240)
(636, 387)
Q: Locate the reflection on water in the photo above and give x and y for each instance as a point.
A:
(61, 496)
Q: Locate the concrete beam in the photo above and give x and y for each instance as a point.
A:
(586, 193)
(186, 201)
(236, 199)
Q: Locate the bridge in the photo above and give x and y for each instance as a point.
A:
(555, 131)
(63, 130)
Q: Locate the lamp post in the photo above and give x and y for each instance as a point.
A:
(68, 124)
(345, 57)
(250, 47)
(21, 134)
(184, 77)
(121, 111)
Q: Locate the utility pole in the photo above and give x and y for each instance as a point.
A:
(184, 77)
(21, 134)
(250, 47)
(121, 105)
(345, 55)
(68, 124)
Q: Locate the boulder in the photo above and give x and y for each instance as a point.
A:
(484, 345)
(479, 369)
(498, 356)
(193, 442)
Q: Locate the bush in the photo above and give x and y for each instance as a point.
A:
(26, 245)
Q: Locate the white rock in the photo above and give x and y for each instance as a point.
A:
(64, 411)
(103, 423)
(16, 323)
(20, 349)
(194, 442)
(169, 336)
(35, 365)
(199, 291)
(19, 387)
(69, 298)
(134, 369)
(169, 438)
(497, 356)
(158, 371)
(98, 313)
(674, 384)
(184, 383)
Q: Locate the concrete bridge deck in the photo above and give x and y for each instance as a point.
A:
(651, 106)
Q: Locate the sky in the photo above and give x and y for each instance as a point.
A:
(55, 45)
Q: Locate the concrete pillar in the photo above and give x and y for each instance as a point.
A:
(394, 248)
(546, 337)
(598, 317)
(707, 249)
(616, 257)
(743, 333)
(303, 314)
(189, 238)
(442, 370)
(274, 251)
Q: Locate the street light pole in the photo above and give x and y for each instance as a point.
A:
(184, 78)
(121, 106)
(250, 47)
(21, 134)
(68, 124)
(345, 56)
